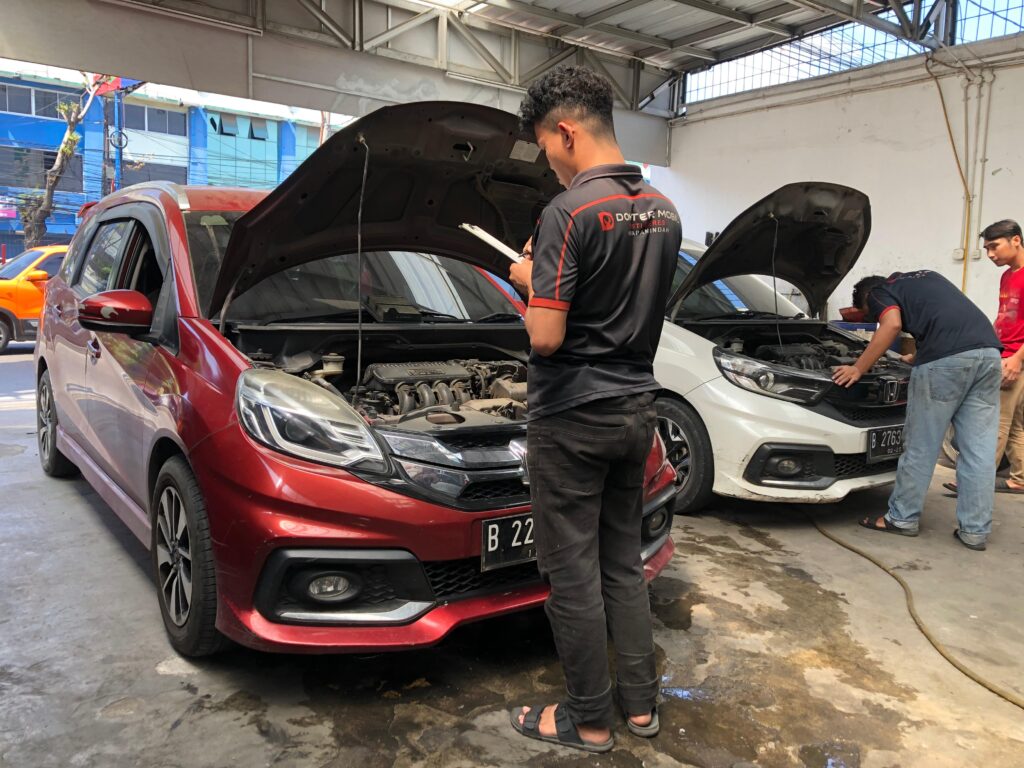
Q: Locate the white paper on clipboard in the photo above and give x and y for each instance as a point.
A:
(492, 241)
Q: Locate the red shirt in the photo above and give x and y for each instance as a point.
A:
(1010, 320)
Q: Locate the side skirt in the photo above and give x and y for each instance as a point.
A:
(136, 518)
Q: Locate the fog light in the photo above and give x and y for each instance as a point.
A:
(331, 587)
(788, 467)
(655, 523)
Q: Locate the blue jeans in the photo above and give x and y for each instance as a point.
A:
(962, 389)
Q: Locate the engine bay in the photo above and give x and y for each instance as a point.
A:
(800, 345)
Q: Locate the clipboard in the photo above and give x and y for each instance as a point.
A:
(492, 241)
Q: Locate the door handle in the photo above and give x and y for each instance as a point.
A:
(93, 346)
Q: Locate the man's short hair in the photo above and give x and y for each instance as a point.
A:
(864, 287)
(1007, 228)
(569, 91)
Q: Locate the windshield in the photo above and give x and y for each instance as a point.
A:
(15, 266)
(723, 297)
(394, 285)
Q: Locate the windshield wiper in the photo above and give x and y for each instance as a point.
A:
(500, 317)
(433, 314)
(745, 314)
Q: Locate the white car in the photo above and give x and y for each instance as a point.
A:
(748, 408)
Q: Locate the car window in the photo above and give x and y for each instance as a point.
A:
(76, 250)
(18, 264)
(99, 268)
(51, 265)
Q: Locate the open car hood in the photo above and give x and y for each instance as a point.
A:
(821, 229)
(432, 166)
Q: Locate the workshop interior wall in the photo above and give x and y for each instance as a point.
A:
(882, 131)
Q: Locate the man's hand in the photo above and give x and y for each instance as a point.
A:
(521, 275)
(1011, 369)
(846, 375)
(908, 359)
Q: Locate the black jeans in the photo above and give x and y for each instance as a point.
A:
(586, 469)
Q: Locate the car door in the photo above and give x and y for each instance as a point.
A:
(121, 412)
(68, 341)
(30, 294)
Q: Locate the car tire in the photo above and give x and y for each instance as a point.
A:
(952, 452)
(6, 334)
(689, 451)
(182, 561)
(54, 463)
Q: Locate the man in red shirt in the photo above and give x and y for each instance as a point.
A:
(1004, 248)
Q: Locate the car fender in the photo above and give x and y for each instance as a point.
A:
(683, 361)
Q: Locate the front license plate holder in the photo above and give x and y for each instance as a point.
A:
(507, 541)
(884, 443)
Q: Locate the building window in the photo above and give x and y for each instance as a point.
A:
(153, 119)
(47, 101)
(20, 167)
(135, 117)
(136, 173)
(258, 129)
(16, 99)
(228, 125)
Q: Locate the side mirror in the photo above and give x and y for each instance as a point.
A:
(37, 276)
(118, 311)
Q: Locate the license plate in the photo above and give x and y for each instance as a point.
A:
(884, 443)
(507, 541)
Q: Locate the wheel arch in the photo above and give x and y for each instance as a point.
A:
(163, 449)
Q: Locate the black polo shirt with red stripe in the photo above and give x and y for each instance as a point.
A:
(935, 312)
(604, 251)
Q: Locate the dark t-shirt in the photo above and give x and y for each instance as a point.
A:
(604, 251)
(941, 319)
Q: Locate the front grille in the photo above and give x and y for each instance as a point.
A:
(494, 489)
(849, 465)
(459, 443)
(852, 414)
(377, 587)
(461, 578)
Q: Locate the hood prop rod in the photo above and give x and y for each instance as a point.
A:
(359, 274)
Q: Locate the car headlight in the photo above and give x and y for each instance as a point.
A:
(297, 417)
(771, 380)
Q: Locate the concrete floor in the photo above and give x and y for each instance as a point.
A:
(778, 647)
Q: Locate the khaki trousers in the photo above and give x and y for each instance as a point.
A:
(1011, 429)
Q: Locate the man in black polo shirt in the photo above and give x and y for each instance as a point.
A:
(956, 378)
(604, 252)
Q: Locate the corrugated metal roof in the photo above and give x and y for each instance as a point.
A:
(673, 34)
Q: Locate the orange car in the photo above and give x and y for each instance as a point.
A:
(21, 291)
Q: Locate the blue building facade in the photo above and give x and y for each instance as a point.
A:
(184, 144)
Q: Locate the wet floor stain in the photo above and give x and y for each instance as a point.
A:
(831, 755)
(11, 449)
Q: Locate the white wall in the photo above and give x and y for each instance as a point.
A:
(880, 130)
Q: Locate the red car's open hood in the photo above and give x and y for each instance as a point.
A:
(433, 166)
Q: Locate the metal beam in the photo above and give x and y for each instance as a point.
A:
(767, 41)
(740, 16)
(479, 48)
(841, 9)
(328, 22)
(615, 10)
(596, 64)
(399, 29)
(901, 16)
(543, 67)
(195, 12)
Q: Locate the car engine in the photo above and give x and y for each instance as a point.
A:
(391, 392)
(811, 353)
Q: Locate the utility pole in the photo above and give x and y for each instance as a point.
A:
(118, 145)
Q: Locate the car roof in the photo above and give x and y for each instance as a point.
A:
(202, 198)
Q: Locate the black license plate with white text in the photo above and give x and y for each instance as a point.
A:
(507, 541)
(884, 443)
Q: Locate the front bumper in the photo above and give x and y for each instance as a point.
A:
(272, 516)
(745, 426)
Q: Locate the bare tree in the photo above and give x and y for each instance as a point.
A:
(35, 209)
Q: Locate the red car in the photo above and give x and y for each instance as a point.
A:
(310, 404)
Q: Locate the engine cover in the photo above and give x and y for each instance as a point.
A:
(390, 375)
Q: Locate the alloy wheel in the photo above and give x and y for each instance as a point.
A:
(174, 556)
(46, 423)
(677, 448)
